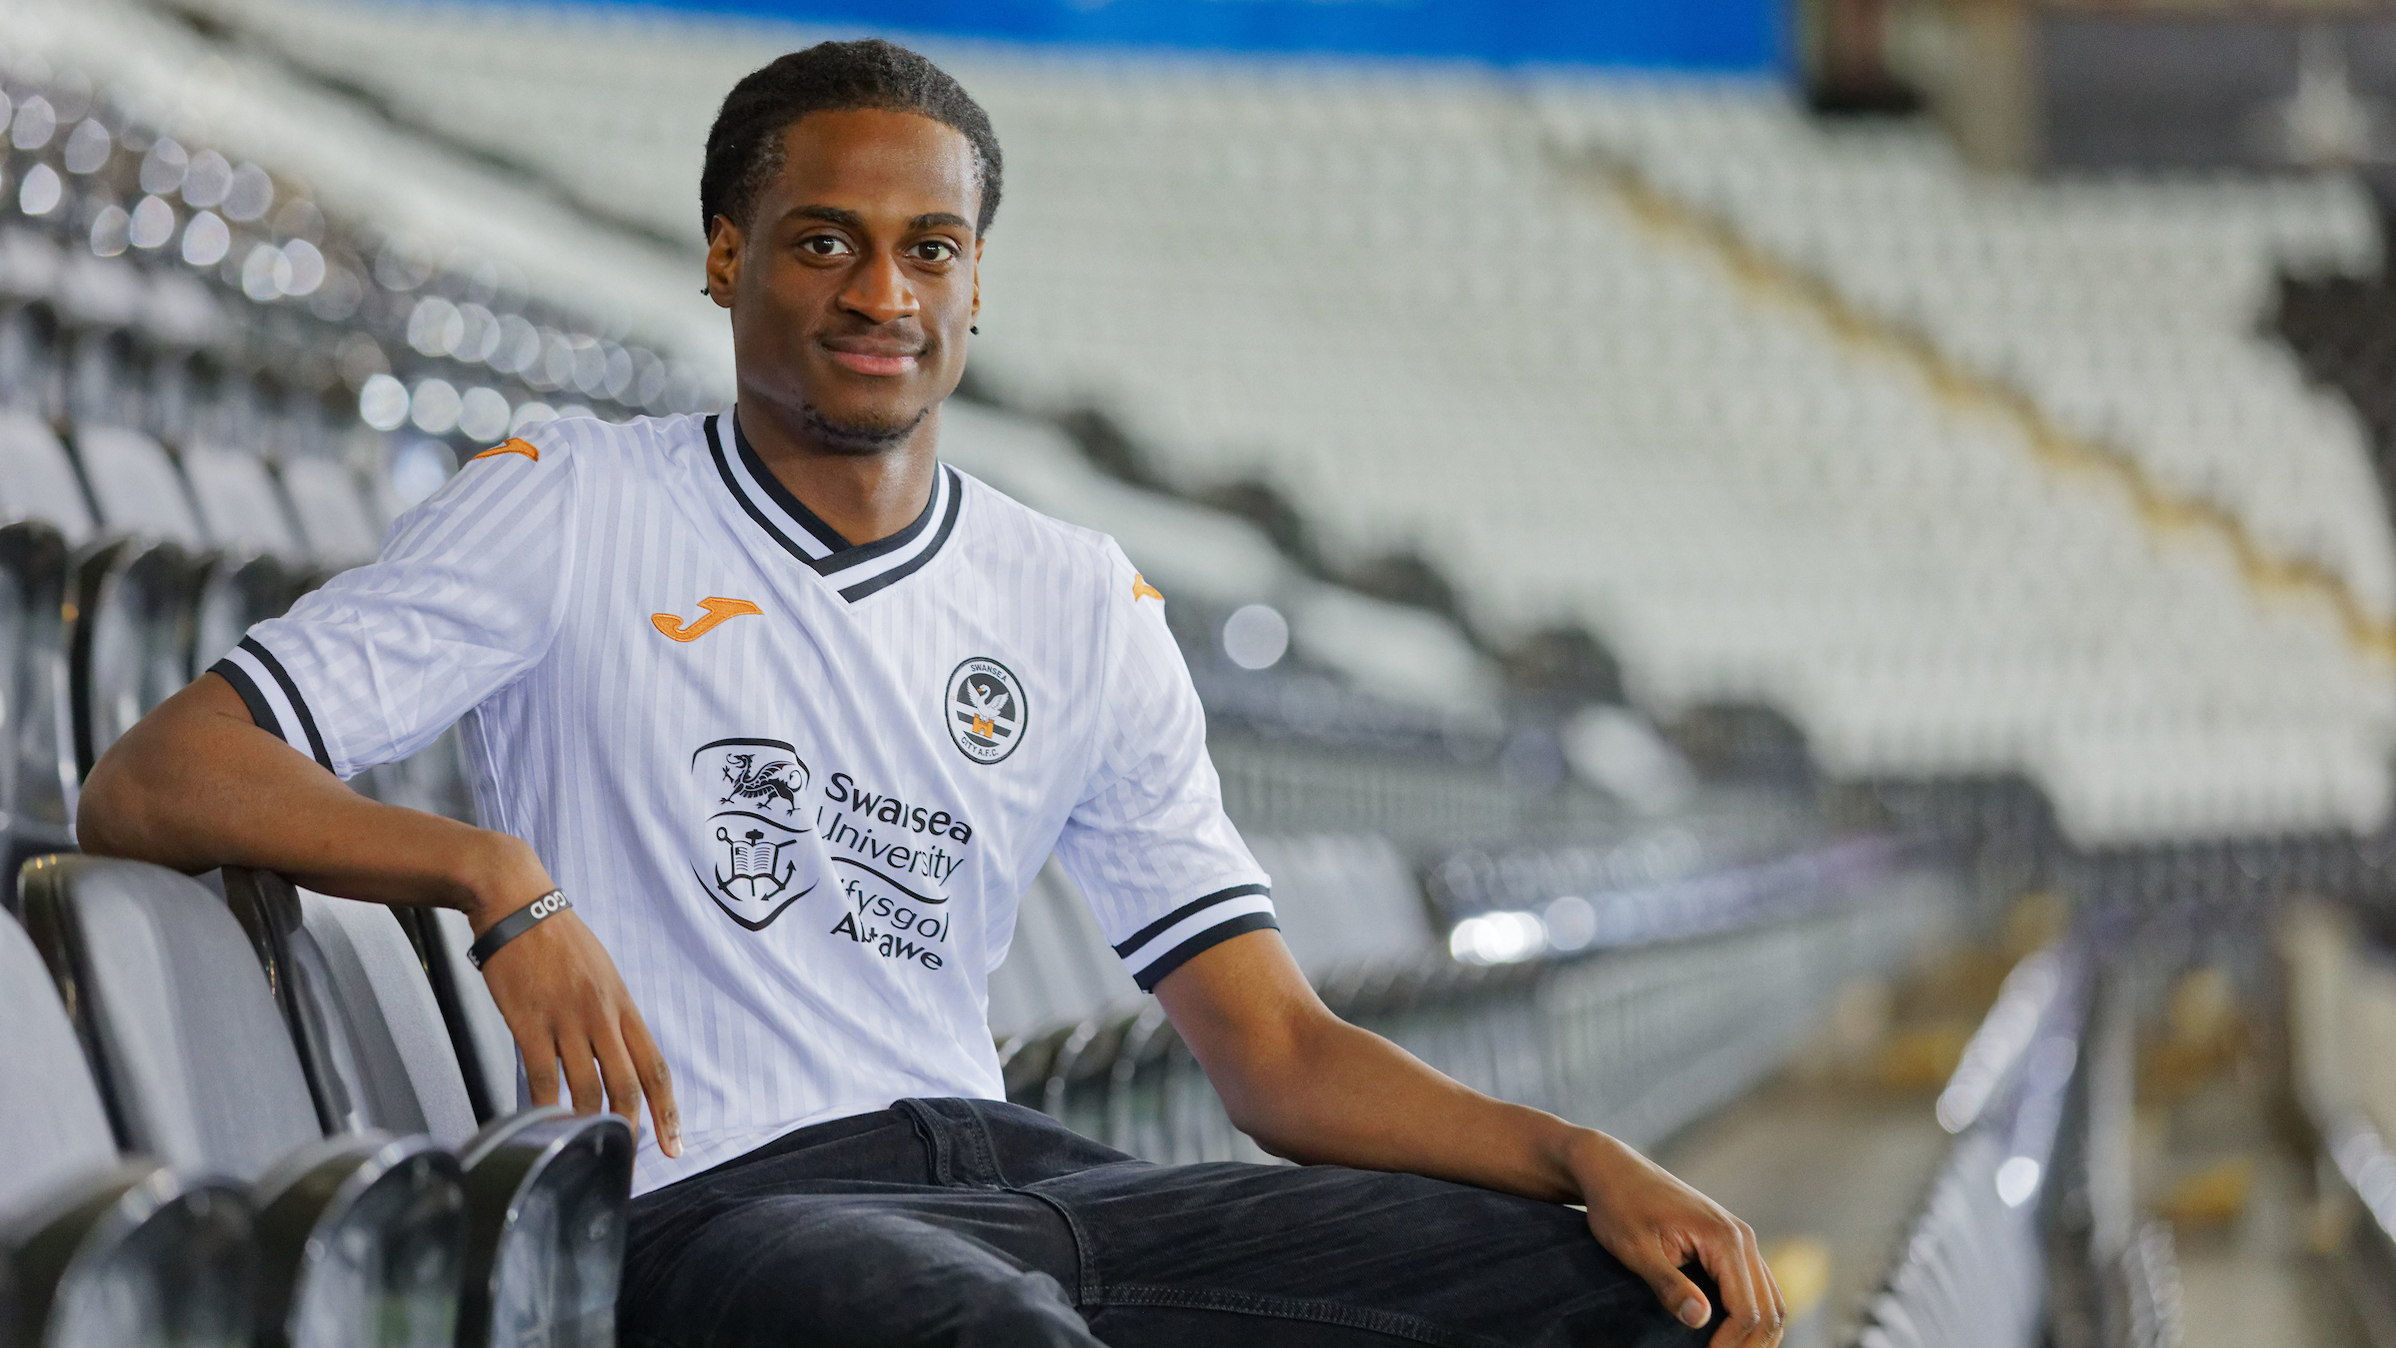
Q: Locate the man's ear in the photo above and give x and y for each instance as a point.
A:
(723, 261)
(977, 276)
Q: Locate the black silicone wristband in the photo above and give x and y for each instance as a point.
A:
(516, 924)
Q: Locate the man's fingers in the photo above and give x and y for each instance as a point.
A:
(659, 1083)
(578, 1056)
(623, 1082)
(1680, 1296)
(540, 1069)
(1730, 1255)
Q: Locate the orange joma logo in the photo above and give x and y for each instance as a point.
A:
(523, 447)
(718, 611)
(1141, 589)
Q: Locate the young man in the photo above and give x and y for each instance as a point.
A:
(793, 713)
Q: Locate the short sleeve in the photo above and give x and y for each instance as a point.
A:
(1164, 871)
(466, 596)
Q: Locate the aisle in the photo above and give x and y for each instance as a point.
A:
(2248, 1276)
(1831, 1163)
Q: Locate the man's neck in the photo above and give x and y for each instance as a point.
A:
(864, 497)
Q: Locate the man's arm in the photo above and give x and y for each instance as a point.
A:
(1311, 1087)
(196, 784)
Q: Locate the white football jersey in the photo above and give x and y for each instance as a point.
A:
(796, 787)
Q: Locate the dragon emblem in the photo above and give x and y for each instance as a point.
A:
(767, 784)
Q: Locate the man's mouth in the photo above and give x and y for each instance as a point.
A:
(873, 358)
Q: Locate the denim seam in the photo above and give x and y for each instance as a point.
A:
(985, 1147)
(935, 1138)
(1392, 1323)
(1084, 1258)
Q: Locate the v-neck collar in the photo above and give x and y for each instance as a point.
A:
(856, 569)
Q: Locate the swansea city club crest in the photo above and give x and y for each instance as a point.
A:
(985, 709)
(753, 854)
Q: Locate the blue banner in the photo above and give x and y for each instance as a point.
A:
(1708, 35)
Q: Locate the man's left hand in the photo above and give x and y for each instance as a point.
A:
(1657, 1225)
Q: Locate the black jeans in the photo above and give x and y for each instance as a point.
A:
(971, 1222)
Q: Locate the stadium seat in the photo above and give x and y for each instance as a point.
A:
(37, 750)
(546, 1188)
(97, 1250)
(332, 514)
(359, 1234)
(130, 646)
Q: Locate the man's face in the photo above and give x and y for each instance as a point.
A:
(852, 285)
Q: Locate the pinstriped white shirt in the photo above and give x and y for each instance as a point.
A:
(795, 786)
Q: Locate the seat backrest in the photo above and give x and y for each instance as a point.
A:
(366, 994)
(487, 1036)
(1059, 966)
(37, 743)
(332, 511)
(238, 502)
(183, 1033)
(1345, 900)
(37, 479)
(50, 1112)
(137, 486)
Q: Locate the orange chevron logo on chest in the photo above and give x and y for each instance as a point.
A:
(718, 612)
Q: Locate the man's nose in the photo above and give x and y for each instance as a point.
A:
(878, 290)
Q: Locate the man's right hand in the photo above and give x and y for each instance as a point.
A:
(569, 1010)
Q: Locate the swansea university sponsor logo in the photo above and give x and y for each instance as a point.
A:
(891, 857)
(985, 709)
(755, 862)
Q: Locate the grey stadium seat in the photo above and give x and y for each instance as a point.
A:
(37, 479)
(1059, 968)
(197, 1065)
(95, 1249)
(547, 1189)
(43, 518)
(1345, 902)
(374, 1047)
(49, 1110)
(332, 511)
(37, 744)
(255, 574)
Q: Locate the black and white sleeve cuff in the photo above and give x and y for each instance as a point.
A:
(273, 699)
(1174, 939)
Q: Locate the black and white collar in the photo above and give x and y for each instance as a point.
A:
(858, 570)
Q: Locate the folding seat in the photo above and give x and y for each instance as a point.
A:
(338, 1024)
(357, 1235)
(332, 510)
(98, 1250)
(546, 1188)
(135, 597)
(254, 574)
(43, 517)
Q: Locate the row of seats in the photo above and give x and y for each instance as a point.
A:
(1971, 1270)
(340, 1158)
(127, 571)
(1639, 1030)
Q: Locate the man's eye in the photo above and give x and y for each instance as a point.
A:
(823, 245)
(936, 250)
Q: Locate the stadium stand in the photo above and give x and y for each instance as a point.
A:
(2012, 504)
(1785, 546)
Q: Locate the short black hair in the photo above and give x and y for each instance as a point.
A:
(744, 147)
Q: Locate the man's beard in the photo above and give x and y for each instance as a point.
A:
(857, 438)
